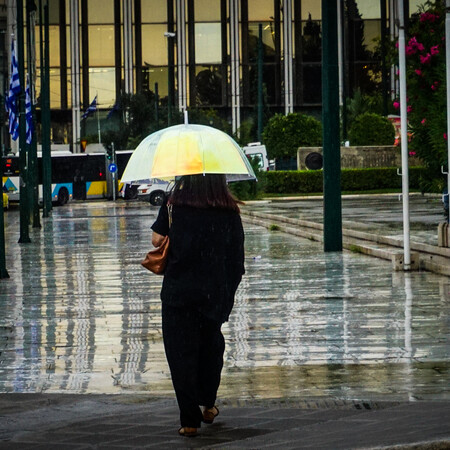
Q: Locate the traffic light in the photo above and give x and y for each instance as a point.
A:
(109, 152)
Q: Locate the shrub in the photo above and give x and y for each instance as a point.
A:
(284, 134)
(371, 129)
(305, 181)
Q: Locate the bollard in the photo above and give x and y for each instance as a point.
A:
(443, 234)
(397, 261)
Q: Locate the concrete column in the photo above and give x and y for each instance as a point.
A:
(181, 54)
(75, 72)
(127, 12)
(234, 69)
(287, 58)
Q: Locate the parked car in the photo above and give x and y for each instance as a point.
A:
(155, 193)
(128, 191)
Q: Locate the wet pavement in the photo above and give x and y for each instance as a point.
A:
(329, 332)
(381, 214)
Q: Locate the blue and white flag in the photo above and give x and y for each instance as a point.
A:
(12, 102)
(113, 110)
(28, 113)
(91, 108)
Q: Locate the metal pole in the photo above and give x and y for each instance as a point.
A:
(45, 111)
(33, 174)
(156, 105)
(3, 271)
(330, 117)
(98, 124)
(260, 83)
(114, 173)
(342, 65)
(447, 57)
(404, 136)
(384, 78)
(170, 74)
(23, 154)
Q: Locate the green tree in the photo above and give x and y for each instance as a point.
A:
(371, 129)
(283, 135)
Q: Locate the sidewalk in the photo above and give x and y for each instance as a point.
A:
(86, 422)
(323, 350)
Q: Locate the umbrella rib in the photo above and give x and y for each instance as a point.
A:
(203, 154)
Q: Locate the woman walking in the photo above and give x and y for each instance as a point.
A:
(204, 269)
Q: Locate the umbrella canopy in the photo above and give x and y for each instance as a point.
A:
(187, 150)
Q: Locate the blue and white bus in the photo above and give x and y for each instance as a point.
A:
(74, 176)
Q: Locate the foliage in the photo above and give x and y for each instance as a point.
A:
(283, 135)
(209, 117)
(306, 181)
(249, 190)
(362, 103)
(245, 133)
(136, 118)
(371, 129)
(426, 73)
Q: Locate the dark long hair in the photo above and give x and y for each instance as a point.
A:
(203, 191)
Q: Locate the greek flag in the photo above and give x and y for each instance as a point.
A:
(113, 110)
(28, 114)
(91, 108)
(11, 103)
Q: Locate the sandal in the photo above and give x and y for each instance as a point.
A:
(187, 431)
(209, 414)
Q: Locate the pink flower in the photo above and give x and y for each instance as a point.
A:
(433, 87)
(414, 46)
(428, 17)
(419, 72)
(425, 59)
(396, 105)
(445, 136)
(409, 108)
(434, 50)
(412, 153)
(423, 121)
(396, 44)
(410, 50)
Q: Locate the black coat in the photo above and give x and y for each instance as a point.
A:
(206, 258)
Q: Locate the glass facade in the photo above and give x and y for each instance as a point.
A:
(105, 43)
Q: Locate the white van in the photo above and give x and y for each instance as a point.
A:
(257, 151)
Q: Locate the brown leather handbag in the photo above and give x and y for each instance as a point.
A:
(156, 259)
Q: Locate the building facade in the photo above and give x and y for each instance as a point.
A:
(201, 54)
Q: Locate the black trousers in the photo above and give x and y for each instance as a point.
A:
(194, 348)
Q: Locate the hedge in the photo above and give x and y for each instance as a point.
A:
(307, 181)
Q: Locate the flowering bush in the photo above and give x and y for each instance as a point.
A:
(426, 85)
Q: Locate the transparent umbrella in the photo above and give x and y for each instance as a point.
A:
(187, 149)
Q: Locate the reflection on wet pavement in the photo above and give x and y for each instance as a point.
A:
(80, 315)
(377, 214)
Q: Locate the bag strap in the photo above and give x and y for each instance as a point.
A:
(169, 210)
